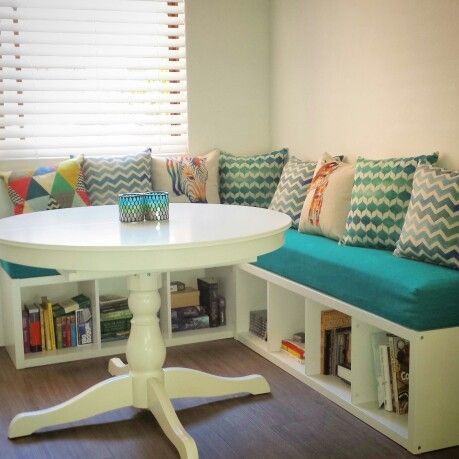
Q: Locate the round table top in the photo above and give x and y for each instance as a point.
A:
(93, 238)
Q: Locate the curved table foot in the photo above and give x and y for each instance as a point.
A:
(107, 395)
(161, 407)
(184, 382)
(117, 367)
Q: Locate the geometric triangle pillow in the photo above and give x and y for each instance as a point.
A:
(431, 229)
(47, 187)
(380, 197)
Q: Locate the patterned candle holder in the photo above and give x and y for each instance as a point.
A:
(131, 207)
(156, 205)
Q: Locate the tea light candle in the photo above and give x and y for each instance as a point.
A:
(156, 205)
(131, 207)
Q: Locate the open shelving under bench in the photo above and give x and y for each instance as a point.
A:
(432, 421)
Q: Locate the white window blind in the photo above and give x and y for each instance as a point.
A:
(92, 76)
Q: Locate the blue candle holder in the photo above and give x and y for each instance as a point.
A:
(156, 205)
(131, 207)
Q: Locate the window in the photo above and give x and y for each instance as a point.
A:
(92, 76)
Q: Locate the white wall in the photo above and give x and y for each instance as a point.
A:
(369, 77)
(228, 75)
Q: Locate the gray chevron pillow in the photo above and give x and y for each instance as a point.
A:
(107, 177)
(431, 229)
(293, 187)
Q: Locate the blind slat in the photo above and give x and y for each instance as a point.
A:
(63, 142)
(93, 108)
(91, 39)
(14, 132)
(90, 74)
(56, 50)
(149, 6)
(97, 85)
(91, 27)
(88, 119)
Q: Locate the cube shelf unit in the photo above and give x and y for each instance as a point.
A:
(17, 292)
(433, 418)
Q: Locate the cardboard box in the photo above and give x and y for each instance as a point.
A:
(187, 297)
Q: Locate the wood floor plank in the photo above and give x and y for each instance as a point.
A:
(293, 421)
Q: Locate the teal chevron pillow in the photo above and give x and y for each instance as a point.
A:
(293, 187)
(107, 177)
(250, 180)
(431, 229)
(380, 196)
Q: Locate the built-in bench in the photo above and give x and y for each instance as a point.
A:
(417, 295)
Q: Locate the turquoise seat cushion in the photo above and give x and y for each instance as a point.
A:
(417, 295)
(16, 271)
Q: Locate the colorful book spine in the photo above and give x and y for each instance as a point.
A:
(73, 329)
(25, 331)
(34, 328)
(58, 333)
(115, 315)
(51, 326)
(208, 299)
(42, 327)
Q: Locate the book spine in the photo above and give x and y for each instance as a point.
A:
(222, 310)
(47, 333)
(51, 327)
(42, 328)
(73, 330)
(393, 366)
(384, 356)
(34, 331)
(114, 315)
(113, 326)
(25, 331)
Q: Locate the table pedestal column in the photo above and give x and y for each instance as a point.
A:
(142, 383)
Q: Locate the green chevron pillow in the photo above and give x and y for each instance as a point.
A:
(252, 180)
(293, 187)
(431, 229)
(379, 201)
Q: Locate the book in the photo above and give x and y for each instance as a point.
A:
(344, 373)
(25, 331)
(34, 328)
(116, 325)
(298, 337)
(68, 306)
(176, 286)
(42, 327)
(221, 310)
(83, 301)
(58, 332)
(44, 309)
(384, 359)
(297, 348)
(399, 358)
(73, 330)
(84, 326)
(378, 339)
(116, 315)
(187, 297)
(208, 299)
(109, 303)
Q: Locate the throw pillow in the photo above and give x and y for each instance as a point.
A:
(380, 197)
(107, 177)
(250, 180)
(431, 229)
(188, 178)
(293, 186)
(328, 199)
(47, 187)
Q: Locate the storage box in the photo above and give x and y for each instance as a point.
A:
(187, 297)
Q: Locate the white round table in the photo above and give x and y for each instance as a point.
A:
(93, 239)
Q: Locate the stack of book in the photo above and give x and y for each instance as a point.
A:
(391, 362)
(115, 317)
(197, 308)
(336, 344)
(186, 312)
(294, 349)
(258, 323)
(49, 326)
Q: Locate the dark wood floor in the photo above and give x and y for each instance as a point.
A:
(292, 422)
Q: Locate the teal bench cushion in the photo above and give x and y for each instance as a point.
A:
(16, 271)
(417, 295)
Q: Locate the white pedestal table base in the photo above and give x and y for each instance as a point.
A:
(142, 383)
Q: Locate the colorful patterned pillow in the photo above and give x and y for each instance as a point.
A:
(380, 197)
(293, 186)
(328, 199)
(47, 187)
(250, 180)
(188, 178)
(431, 229)
(107, 177)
